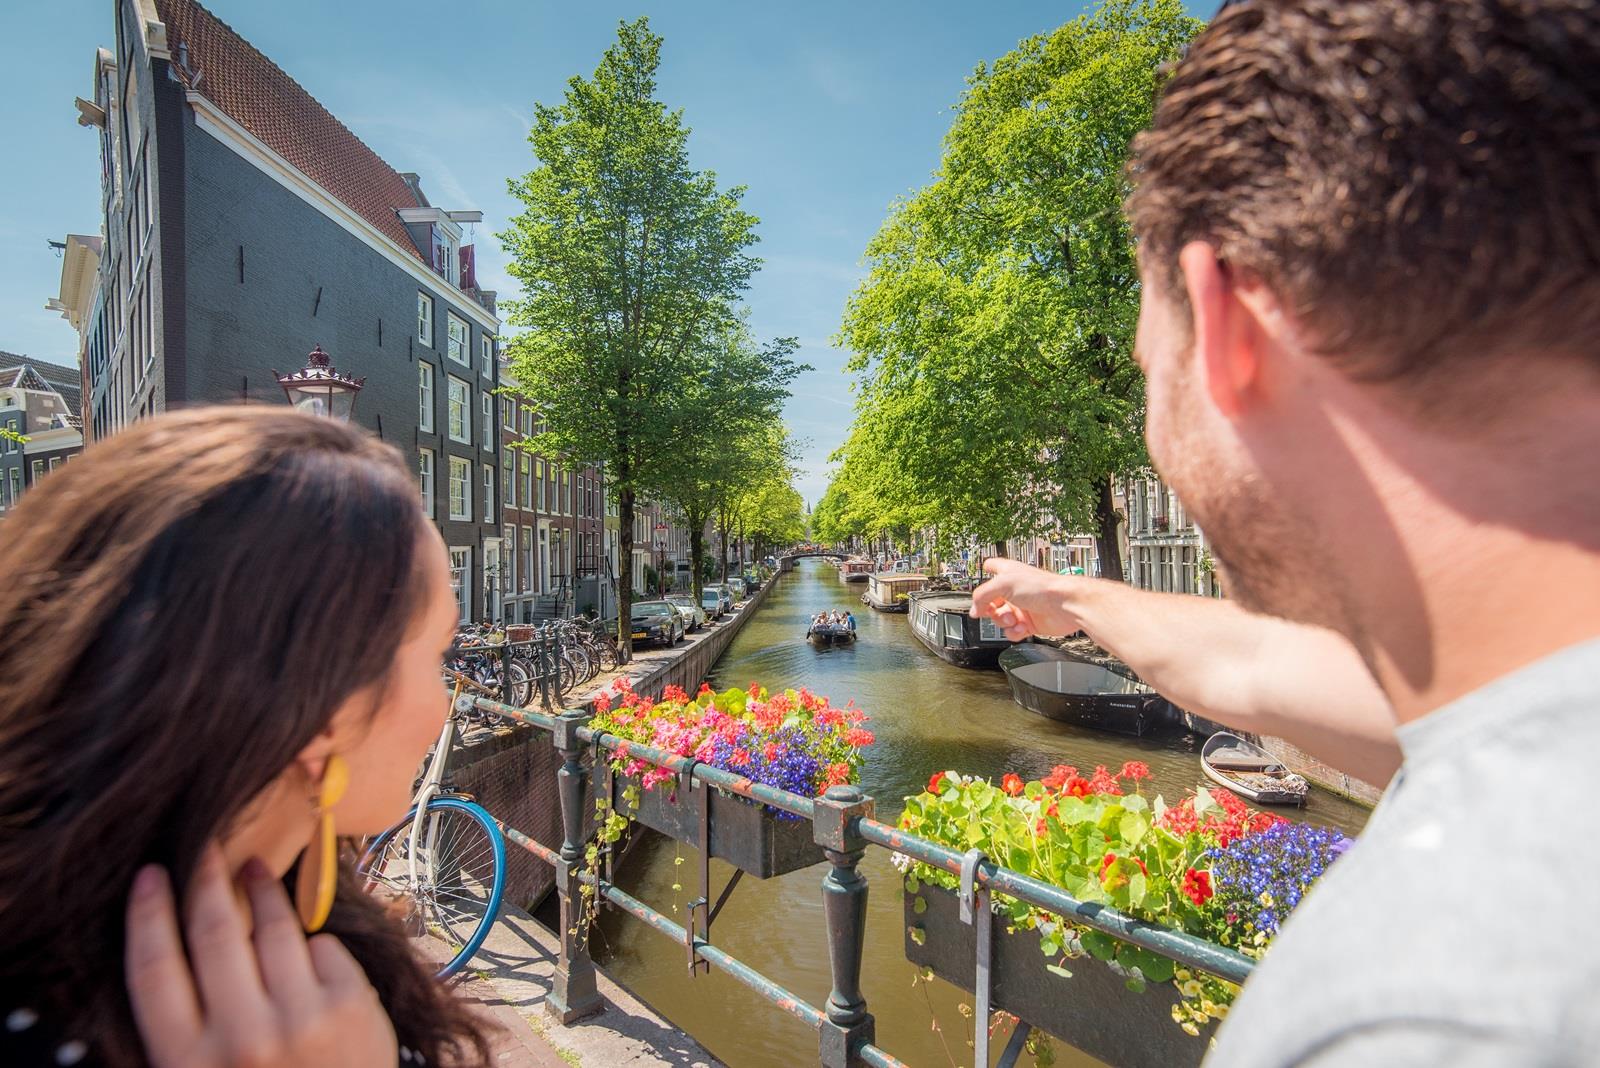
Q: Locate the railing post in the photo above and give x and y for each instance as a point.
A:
(844, 904)
(506, 695)
(573, 994)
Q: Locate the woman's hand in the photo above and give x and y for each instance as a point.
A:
(243, 999)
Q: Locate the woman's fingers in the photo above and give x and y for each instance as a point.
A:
(165, 1007)
(335, 967)
(280, 944)
(220, 953)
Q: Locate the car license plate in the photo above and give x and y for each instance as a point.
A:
(638, 634)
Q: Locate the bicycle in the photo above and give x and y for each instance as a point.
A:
(451, 863)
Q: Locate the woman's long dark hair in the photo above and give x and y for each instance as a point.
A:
(182, 610)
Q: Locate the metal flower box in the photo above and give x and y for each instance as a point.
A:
(1093, 1011)
(744, 834)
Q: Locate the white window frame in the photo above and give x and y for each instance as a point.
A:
(487, 425)
(425, 472)
(424, 318)
(425, 396)
(486, 349)
(488, 493)
(459, 419)
(508, 481)
(456, 348)
(525, 467)
(460, 576)
(508, 585)
(457, 464)
(508, 414)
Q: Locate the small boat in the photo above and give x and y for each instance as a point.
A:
(941, 620)
(892, 593)
(1061, 686)
(855, 570)
(1251, 771)
(826, 634)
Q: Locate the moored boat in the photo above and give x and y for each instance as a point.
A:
(1064, 687)
(941, 620)
(891, 593)
(1250, 771)
(855, 569)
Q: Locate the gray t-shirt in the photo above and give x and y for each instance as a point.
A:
(1463, 928)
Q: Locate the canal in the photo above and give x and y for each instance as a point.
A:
(927, 716)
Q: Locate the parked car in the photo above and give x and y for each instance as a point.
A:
(711, 601)
(657, 621)
(694, 617)
(728, 598)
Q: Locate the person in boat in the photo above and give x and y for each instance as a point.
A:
(1370, 330)
(850, 620)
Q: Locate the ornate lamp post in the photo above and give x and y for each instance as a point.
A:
(321, 389)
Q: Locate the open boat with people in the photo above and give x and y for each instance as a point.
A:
(1061, 686)
(831, 629)
(942, 621)
(1251, 771)
(891, 593)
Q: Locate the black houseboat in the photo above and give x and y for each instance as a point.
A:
(1057, 684)
(941, 620)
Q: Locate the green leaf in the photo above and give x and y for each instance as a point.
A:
(918, 935)
(1056, 969)
(1138, 886)
(1133, 827)
(919, 906)
(1100, 946)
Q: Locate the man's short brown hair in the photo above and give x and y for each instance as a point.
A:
(1419, 180)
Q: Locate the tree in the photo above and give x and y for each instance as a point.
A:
(737, 389)
(629, 260)
(994, 333)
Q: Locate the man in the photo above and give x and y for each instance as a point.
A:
(1369, 238)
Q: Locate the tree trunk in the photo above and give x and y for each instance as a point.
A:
(625, 499)
(697, 555)
(1106, 521)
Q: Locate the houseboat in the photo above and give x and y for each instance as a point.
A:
(1068, 688)
(855, 569)
(942, 621)
(891, 593)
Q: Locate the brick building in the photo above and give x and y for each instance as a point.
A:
(243, 225)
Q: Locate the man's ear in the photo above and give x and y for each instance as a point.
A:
(1226, 338)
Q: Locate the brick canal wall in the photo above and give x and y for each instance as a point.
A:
(512, 770)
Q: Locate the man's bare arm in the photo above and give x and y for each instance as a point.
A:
(1304, 684)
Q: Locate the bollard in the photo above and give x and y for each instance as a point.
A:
(844, 904)
(506, 695)
(573, 994)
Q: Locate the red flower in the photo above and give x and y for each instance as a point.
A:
(838, 774)
(1111, 858)
(770, 751)
(1135, 770)
(1197, 886)
(741, 758)
(858, 737)
(1077, 787)
(675, 693)
(936, 783)
(1058, 776)
(1039, 828)
(602, 703)
(1102, 782)
(1012, 784)
(705, 688)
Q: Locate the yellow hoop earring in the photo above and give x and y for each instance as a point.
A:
(319, 865)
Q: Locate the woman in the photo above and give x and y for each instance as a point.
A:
(207, 625)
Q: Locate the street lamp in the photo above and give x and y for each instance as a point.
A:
(320, 389)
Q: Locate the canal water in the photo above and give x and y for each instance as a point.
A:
(928, 716)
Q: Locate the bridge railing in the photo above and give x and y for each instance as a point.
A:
(844, 827)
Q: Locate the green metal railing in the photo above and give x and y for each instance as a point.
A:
(844, 828)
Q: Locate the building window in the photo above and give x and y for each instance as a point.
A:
(460, 569)
(460, 488)
(508, 482)
(486, 343)
(460, 403)
(425, 396)
(488, 494)
(425, 319)
(35, 471)
(525, 559)
(456, 343)
(486, 425)
(527, 480)
(541, 480)
(510, 583)
(508, 414)
(527, 421)
(425, 470)
(14, 477)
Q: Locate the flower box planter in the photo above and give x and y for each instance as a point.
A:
(743, 833)
(1093, 1011)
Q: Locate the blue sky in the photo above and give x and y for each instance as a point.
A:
(827, 111)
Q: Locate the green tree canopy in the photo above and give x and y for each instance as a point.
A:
(994, 333)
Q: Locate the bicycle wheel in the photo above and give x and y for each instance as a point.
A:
(521, 682)
(454, 886)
